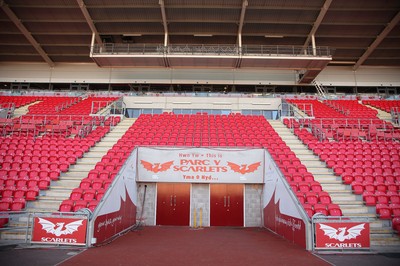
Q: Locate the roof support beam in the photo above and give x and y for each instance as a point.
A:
(164, 19)
(377, 41)
(89, 21)
(317, 22)
(241, 22)
(26, 33)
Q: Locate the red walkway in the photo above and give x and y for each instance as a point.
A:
(210, 246)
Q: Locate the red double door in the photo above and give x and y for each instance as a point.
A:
(226, 205)
(173, 204)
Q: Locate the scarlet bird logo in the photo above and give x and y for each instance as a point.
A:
(244, 168)
(56, 229)
(156, 167)
(340, 233)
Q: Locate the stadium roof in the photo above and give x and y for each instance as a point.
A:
(362, 32)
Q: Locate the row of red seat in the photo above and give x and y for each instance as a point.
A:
(12, 204)
(384, 105)
(352, 108)
(19, 100)
(52, 104)
(76, 205)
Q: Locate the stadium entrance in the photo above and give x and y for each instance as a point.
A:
(226, 206)
(173, 204)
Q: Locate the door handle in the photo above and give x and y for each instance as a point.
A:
(170, 201)
(229, 201)
(224, 201)
(174, 201)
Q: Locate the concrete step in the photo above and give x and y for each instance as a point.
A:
(45, 204)
(335, 188)
(57, 193)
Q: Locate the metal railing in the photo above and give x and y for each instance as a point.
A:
(21, 223)
(210, 49)
(395, 113)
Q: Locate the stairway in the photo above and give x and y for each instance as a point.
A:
(381, 114)
(50, 200)
(23, 110)
(382, 236)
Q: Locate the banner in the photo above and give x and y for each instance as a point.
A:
(200, 165)
(342, 235)
(281, 212)
(117, 212)
(60, 231)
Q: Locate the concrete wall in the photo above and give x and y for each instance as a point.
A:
(253, 205)
(200, 200)
(149, 212)
(91, 73)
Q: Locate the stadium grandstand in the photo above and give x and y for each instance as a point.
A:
(184, 115)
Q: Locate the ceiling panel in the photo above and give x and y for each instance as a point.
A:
(130, 27)
(106, 3)
(276, 29)
(48, 14)
(59, 27)
(349, 30)
(13, 39)
(191, 28)
(280, 16)
(203, 15)
(17, 49)
(42, 3)
(125, 14)
(288, 4)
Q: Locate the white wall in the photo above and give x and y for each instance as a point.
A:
(364, 76)
(231, 103)
(91, 73)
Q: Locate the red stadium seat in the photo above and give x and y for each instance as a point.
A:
(66, 206)
(334, 210)
(383, 211)
(76, 194)
(320, 208)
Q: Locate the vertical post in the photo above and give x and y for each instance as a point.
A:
(166, 39)
(194, 218)
(92, 44)
(240, 43)
(314, 49)
(201, 218)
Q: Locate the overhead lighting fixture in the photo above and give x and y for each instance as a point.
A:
(221, 103)
(202, 35)
(273, 36)
(140, 102)
(261, 103)
(132, 35)
(342, 62)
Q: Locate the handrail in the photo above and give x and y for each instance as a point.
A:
(211, 49)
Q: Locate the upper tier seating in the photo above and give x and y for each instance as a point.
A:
(51, 105)
(384, 105)
(316, 108)
(84, 107)
(351, 108)
(18, 100)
